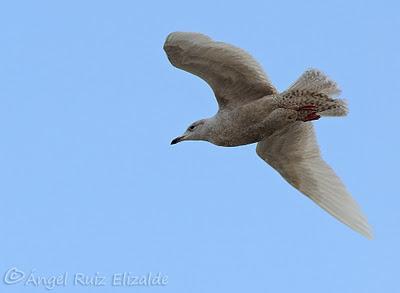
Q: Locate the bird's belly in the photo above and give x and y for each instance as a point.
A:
(235, 135)
(242, 125)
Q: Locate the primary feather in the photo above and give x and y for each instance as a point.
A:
(294, 153)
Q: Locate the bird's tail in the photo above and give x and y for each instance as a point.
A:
(314, 89)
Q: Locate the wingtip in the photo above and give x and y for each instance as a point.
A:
(367, 233)
(361, 226)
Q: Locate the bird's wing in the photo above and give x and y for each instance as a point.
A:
(235, 77)
(294, 153)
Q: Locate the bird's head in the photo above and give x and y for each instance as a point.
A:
(196, 131)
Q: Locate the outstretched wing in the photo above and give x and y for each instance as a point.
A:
(235, 77)
(294, 153)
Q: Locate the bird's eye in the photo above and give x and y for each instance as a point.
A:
(191, 127)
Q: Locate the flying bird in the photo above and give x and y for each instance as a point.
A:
(251, 110)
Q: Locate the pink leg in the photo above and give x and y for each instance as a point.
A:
(312, 116)
(309, 113)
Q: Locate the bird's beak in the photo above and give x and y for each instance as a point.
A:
(178, 139)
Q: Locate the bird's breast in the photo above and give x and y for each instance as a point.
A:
(239, 126)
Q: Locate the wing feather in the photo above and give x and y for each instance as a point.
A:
(235, 77)
(294, 153)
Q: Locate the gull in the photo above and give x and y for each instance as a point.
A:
(251, 110)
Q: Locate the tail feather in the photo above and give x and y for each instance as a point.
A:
(315, 81)
(314, 88)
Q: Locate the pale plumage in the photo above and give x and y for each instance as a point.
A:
(251, 111)
(233, 74)
(294, 153)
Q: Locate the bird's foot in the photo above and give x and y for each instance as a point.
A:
(308, 113)
(312, 116)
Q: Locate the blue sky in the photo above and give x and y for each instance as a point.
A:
(90, 184)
